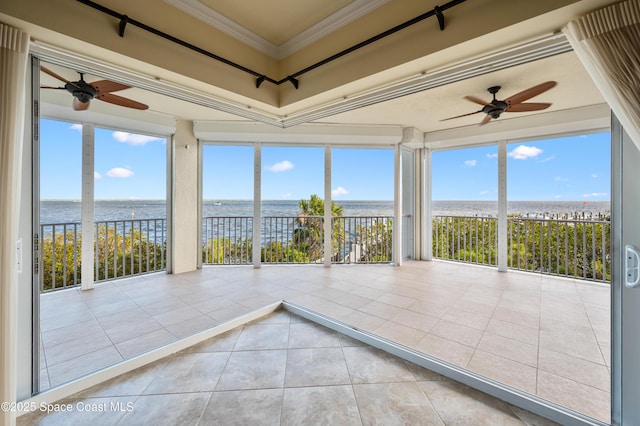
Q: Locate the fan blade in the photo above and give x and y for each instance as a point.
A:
(51, 87)
(119, 100)
(80, 106)
(485, 120)
(530, 92)
(107, 86)
(527, 107)
(53, 74)
(477, 100)
(458, 116)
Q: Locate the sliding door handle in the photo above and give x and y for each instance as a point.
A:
(631, 266)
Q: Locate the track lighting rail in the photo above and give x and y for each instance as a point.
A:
(261, 78)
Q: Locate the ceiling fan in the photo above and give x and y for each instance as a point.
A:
(83, 92)
(513, 103)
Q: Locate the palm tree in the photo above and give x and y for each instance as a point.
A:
(309, 234)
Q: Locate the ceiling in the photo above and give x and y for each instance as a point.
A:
(281, 24)
(277, 28)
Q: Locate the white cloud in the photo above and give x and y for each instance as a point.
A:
(470, 163)
(281, 166)
(339, 191)
(595, 176)
(561, 179)
(523, 152)
(549, 158)
(287, 195)
(492, 155)
(558, 196)
(97, 175)
(120, 172)
(485, 192)
(132, 138)
(76, 127)
(595, 194)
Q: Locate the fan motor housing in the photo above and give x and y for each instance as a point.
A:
(81, 90)
(495, 109)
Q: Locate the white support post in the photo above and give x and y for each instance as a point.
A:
(427, 203)
(87, 215)
(397, 202)
(502, 206)
(328, 229)
(257, 204)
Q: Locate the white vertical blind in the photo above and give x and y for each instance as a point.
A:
(607, 42)
(14, 51)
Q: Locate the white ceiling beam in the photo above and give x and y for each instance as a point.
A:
(304, 134)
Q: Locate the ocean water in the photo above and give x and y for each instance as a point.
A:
(65, 211)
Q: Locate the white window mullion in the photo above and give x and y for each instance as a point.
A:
(502, 206)
(397, 214)
(88, 221)
(328, 229)
(427, 203)
(257, 203)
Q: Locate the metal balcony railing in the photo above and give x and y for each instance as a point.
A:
(363, 239)
(296, 240)
(572, 248)
(565, 247)
(60, 256)
(470, 239)
(122, 248)
(227, 240)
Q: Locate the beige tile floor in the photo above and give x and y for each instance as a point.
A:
(547, 336)
(283, 370)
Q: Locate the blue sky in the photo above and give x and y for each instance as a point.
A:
(132, 166)
(127, 166)
(296, 173)
(575, 168)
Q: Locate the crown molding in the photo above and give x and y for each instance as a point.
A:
(347, 14)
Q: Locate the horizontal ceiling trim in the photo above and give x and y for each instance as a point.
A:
(334, 134)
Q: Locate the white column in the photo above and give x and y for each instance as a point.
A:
(427, 206)
(187, 237)
(257, 204)
(397, 202)
(88, 221)
(328, 229)
(502, 206)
